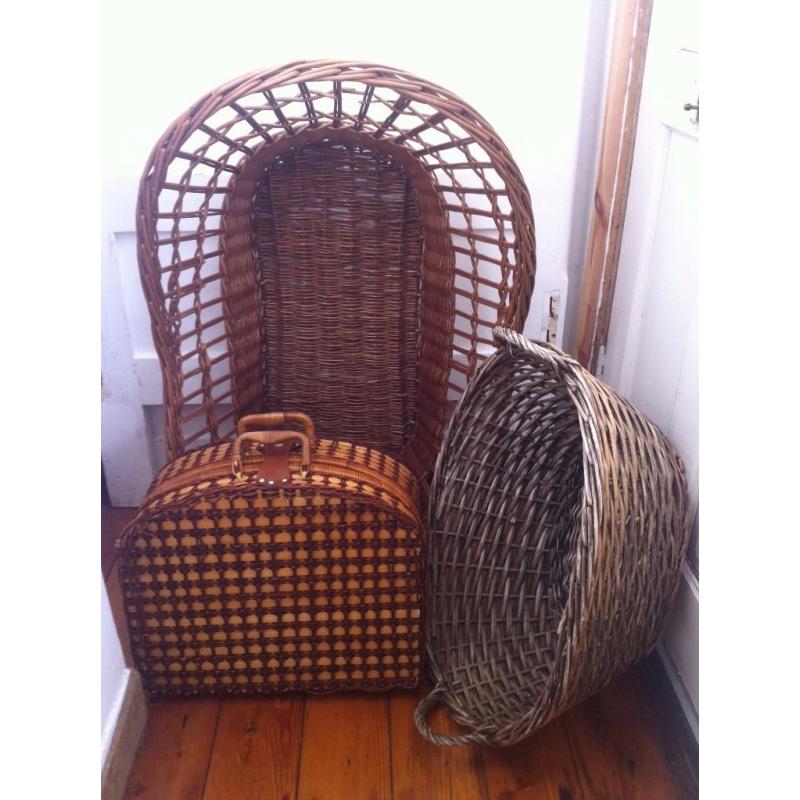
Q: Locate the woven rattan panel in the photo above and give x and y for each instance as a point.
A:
(198, 255)
(262, 593)
(339, 245)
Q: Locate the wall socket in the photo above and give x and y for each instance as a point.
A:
(552, 302)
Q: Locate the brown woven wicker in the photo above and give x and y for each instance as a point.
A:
(557, 530)
(306, 576)
(338, 237)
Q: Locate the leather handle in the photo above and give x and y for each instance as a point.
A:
(269, 437)
(277, 419)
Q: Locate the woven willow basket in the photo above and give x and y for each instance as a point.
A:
(557, 529)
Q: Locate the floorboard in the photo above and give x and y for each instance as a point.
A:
(173, 758)
(112, 521)
(256, 749)
(421, 770)
(116, 601)
(679, 743)
(539, 768)
(617, 749)
(345, 751)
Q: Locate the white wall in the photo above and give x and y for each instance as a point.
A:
(595, 79)
(113, 673)
(534, 70)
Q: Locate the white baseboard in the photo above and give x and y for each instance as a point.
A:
(679, 646)
(121, 735)
(679, 687)
(113, 716)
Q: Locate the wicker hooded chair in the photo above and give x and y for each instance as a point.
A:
(337, 238)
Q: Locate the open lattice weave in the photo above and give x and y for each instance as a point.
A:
(557, 530)
(337, 237)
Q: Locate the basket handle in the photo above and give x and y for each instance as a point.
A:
(269, 437)
(544, 351)
(277, 419)
(424, 707)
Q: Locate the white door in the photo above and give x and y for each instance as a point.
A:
(132, 447)
(651, 355)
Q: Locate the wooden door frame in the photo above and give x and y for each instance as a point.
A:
(620, 119)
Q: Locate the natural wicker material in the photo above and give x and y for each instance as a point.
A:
(557, 530)
(339, 237)
(234, 585)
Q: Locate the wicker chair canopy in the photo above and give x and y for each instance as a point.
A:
(337, 238)
(557, 530)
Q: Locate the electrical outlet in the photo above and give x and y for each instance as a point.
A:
(552, 302)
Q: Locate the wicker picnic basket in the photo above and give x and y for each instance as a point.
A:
(338, 237)
(255, 566)
(557, 530)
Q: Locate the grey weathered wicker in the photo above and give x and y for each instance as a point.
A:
(558, 527)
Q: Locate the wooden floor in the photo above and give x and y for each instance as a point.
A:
(630, 741)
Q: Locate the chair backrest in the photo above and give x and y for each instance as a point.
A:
(337, 238)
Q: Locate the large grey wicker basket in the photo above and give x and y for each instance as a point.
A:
(557, 530)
